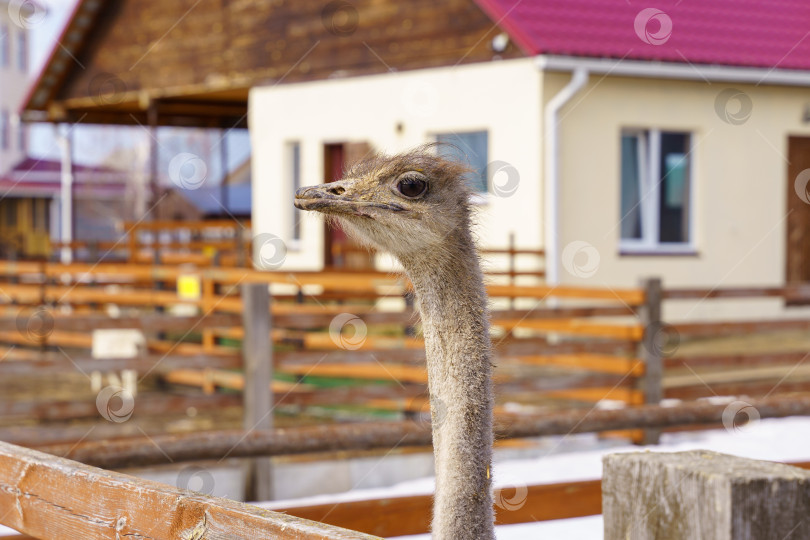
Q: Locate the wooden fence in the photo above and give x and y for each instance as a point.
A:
(598, 344)
(777, 368)
(595, 354)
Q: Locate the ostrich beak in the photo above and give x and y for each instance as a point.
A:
(335, 198)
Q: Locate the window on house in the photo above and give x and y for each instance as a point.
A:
(5, 46)
(655, 190)
(294, 174)
(21, 137)
(22, 50)
(5, 130)
(472, 148)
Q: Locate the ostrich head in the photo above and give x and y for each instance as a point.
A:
(402, 204)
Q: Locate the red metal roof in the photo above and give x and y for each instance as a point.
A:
(755, 33)
(42, 177)
(32, 165)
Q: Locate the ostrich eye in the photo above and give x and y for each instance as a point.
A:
(412, 185)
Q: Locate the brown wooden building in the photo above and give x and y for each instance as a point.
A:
(192, 63)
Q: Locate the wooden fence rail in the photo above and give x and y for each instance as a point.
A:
(50, 497)
(598, 358)
(385, 435)
(227, 243)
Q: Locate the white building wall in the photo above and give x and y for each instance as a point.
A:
(394, 112)
(13, 80)
(739, 171)
(740, 189)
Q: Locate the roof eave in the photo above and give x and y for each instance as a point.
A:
(674, 70)
(51, 77)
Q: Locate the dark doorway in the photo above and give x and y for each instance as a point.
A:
(798, 219)
(340, 252)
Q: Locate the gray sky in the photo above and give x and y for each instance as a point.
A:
(45, 33)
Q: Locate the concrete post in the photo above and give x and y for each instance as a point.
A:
(703, 495)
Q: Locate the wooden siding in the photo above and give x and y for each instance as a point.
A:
(195, 56)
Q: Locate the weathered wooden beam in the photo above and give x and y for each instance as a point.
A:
(346, 281)
(701, 494)
(378, 435)
(599, 363)
(631, 297)
(146, 405)
(795, 372)
(724, 292)
(564, 312)
(521, 346)
(401, 375)
(413, 357)
(48, 364)
(735, 360)
(513, 251)
(753, 388)
(148, 322)
(121, 453)
(733, 328)
(575, 327)
(50, 497)
(798, 292)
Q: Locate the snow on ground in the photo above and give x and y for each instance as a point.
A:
(785, 439)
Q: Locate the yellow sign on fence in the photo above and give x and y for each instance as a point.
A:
(189, 287)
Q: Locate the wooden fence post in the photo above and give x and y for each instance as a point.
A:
(701, 494)
(512, 269)
(650, 351)
(208, 294)
(257, 354)
(132, 244)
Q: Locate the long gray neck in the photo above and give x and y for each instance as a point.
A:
(453, 305)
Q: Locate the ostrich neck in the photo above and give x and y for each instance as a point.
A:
(452, 302)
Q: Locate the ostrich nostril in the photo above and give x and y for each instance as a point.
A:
(336, 190)
(309, 192)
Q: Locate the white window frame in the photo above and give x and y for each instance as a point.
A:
(294, 243)
(650, 195)
(5, 46)
(6, 135)
(21, 45)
